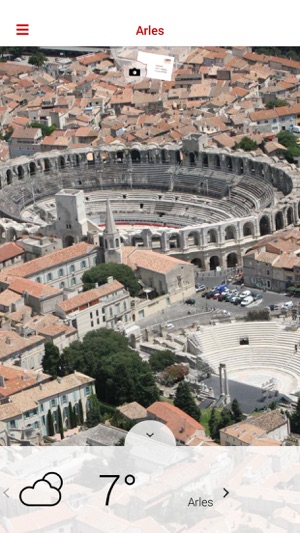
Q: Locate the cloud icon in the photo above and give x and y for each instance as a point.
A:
(44, 492)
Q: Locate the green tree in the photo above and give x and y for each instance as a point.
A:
(50, 424)
(99, 274)
(236, 411)
(120, 374)
(93, 417)
(226, 419)
(295, 419)
(213, 425)
(71, 416)
(184, 401)
(246, 144)
(37, 59)
(159, 360)
(75, 417)
(288, 140)
(80, 413)
(51, 360)
(276, 102)
(46, 130)
(60, 423)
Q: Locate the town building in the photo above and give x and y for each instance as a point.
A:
(107, 306)
(11, 254)
(183, 426)
(25, 141)
(27, 410)
(267, 429)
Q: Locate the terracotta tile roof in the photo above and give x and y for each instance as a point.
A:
(35, 289)
(84, 298)
(28, 399)
(268, 421)
(51, 260)
(12, 343)
(17, 379)
(244, 431)
(8, 297)
(49, 326)
(150, 260)
(133, 410)
(183, 426)
(17, 316)
(10, 250)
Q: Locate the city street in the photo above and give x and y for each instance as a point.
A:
(202, 311)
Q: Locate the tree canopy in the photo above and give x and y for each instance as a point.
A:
(46, 130)
(99, 274)
(120, 374)
(276, 102)
(159, 360)
(246, 144)
(185, 401)
(37, 59)
(288, 140)
(53, 362)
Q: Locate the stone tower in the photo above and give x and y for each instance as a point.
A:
(111, 238)
(71, 223)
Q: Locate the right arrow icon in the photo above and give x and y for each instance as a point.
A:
(226, 493)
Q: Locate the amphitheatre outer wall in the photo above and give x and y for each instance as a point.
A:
(187, 169)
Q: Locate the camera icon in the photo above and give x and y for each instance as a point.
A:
(134, 72)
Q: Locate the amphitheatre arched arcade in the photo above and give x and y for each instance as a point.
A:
(207, 206)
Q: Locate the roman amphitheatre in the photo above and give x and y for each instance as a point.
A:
(206, 206)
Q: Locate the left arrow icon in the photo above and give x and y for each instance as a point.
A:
(5, 493)
(226, 493)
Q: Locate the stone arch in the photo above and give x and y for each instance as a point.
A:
(193, 238)
(11, 234)
(204, 160)
(197, 262)
(164, 156)
(212, 236)
(290, 215)
(264, 225)
(214, 262)
(47, 164)
(248, 229)
(9, 177)
(135, 156)
(178, 156)
(61, 162)
(2, 234)
(217, 161)
(120, 156)
(76, 160)
(228, 163)
(192, 158)
(90, 157)
(241, 167)
(69, 240)
(231, 260)
(32, 168)
(174, 241)
(279, 221)
(137, 240)
(21, 172)
(155, 241)
(230, 233)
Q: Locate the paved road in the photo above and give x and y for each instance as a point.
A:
(202, 311)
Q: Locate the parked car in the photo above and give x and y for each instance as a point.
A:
(238, 300)
(170, 325)
(245, 293)
(256, 296)
(209, 294)
(288, 305)
(246, 301)
(200, 288)
(190, 301)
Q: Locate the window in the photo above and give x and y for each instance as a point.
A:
(49, 277)
(87, 391)
(68, 226)
(72, 268)
(62, 285)
(38, 280)
(97, 313)
(125, 306)
(12, 424)
(103, 318)
(117, 308)
(98, 321)
(83, 264)
(73, 281)
(53, 403)
(91, 315)
(61, 272)
(75, 396)
(95, 260)
(27, 414)
(64, 399)
(43, 420)
(42, 407)
(92, 324)
(110, 311)
(36, 425)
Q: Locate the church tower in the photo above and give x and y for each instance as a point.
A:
(111, 238)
